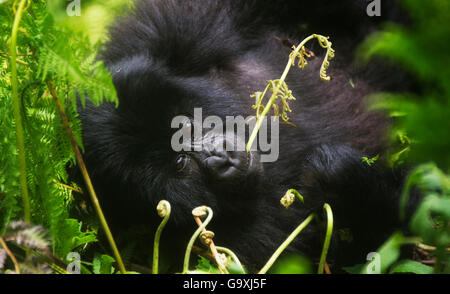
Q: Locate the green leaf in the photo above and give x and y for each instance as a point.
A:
(428, 178)
(370, 161)
(410, 266)
(102, 264)
(70, 236)
(205, 266)
(233, 268)
(388, 253)
(431, 220)
(356, 269)
(292, 264)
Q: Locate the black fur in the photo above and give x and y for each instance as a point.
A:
(170, 56)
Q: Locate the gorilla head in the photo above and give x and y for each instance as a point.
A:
(171, 57)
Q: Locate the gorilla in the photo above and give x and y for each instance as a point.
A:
(168, 57)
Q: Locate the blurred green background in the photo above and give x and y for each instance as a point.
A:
(95, 15)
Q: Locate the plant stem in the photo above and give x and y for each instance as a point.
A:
(233, 256)
(194, 237)
(11, 255)
(296, 194)
(87, 180)
(78, 190)
(158, 235)
(286, 243)
(17, 114)
(326, 243)
(213, 249)
(275, 92)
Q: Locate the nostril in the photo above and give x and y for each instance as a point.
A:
(238, 158)
(216, 162)
(223, 160)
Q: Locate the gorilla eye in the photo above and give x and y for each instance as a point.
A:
(181, 162)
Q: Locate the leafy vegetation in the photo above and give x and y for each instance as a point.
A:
(43, 63)
(420, 130)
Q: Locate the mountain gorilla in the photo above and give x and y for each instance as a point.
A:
(171, 56)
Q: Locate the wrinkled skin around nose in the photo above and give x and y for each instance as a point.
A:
(225, 158)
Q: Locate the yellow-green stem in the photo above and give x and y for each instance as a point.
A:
(167, 207)
(286, 244)
(17, 114)
(11, 255)
(232, 255)
(212, 247)
(326, 243)
(275, 92)
(296, 194)
(194, 237)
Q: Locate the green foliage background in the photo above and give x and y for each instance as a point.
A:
(421, 126)
(47, 52)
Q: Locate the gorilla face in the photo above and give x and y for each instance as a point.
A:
(130, 152)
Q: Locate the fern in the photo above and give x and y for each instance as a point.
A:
(46, 52)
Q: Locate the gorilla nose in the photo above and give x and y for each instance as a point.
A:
(225, 160)
(228, 164)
